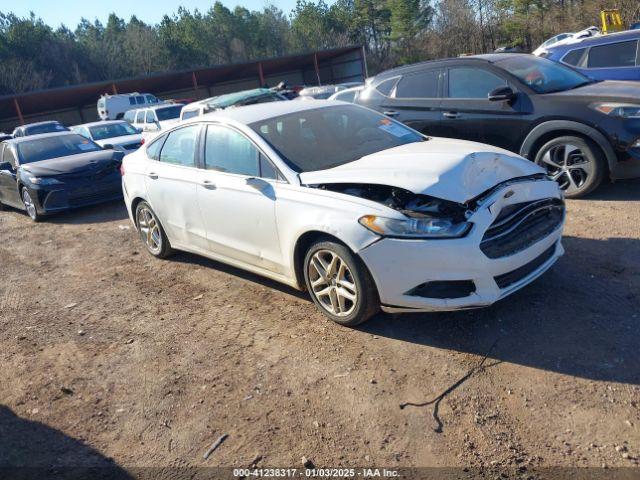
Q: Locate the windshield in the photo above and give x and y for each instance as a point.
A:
(53, 147)
(327, 137)
(542, 75)
(169, 113)
(100, 132)
(45, 128)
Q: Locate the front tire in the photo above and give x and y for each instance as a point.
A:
(575, 163)
(151, 231)
(29, 205)
(340, 284)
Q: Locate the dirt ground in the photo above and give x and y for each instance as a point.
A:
(111, 357)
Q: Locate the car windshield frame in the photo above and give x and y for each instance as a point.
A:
(128, 130)
(173, 108)
(26, 157)
(364, 132)
(565, 78)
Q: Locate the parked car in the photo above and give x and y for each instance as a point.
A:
(38, 128)
(52, 172)
(321, 92)
(156, 118)
(552, 41)
(347, 95)
(116, 134)
(5, 136)
(579, 130)
(357, 208)
(113, 107)
(608, 57)
(236, 99)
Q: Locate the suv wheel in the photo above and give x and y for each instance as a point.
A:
(575, 163)
(340, 284)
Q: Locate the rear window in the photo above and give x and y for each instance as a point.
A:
(169, 113)
(46, 128)
(574, 56)
(53, 147)
(419, 85)
(621, 54)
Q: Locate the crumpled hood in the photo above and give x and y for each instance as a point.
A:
(608, 90)
(448, 169)
(89, 162)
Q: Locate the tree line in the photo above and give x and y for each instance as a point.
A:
(33, 55)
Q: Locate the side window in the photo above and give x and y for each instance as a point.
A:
(180, 146)
(386, 87)
(153, 150)
(140, 100)
(267, 170)
(140, 116)
(132, 101)
(573, 57)
(472, 83)
(419, 85)
(130, 116)
(150, 99)
(150, 118)
(621, 54)
(229, 151)
(186, 114)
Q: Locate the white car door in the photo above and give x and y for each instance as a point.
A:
(171, 181)
(237, 196)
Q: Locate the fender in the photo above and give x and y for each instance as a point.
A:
(554, 125)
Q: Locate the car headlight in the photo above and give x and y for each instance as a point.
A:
(621, 110)
(43, 180)
(427, 227)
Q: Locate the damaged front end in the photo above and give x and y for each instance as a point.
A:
(427, 217)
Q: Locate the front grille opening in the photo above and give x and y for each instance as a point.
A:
(444, 289)
(520, 225)
(514, 276)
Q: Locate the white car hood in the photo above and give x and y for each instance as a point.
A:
(123, 140)
(445, 168)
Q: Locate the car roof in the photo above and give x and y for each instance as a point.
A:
(160, 106)
(98, 123)
(18, 140)
(599, 40)
(263, 111)
(490, 57)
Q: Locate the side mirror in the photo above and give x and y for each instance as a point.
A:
(6, 166)
(138, 130)
(501, 94)
(108, 146)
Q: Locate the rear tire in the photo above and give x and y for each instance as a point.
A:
(151, 231)
(577, 164)
(340, 284)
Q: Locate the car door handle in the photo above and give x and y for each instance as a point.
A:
(208, 184)
(391, 113)
(451, 115)
(152, 175)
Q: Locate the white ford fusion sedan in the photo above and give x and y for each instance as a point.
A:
(358, 209)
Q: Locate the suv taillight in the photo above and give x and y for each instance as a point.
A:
(122, 169)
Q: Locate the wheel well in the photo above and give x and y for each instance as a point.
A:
(134, 205)
(562, 133)
(302, 245)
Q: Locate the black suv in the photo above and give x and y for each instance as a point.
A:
(578, 129)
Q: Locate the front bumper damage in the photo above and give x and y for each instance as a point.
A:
(400, 266)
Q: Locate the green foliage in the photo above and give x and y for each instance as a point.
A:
(33, 55)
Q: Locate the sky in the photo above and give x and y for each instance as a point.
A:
(69, 12)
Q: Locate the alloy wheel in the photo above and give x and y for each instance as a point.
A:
(149, 230)
(568, 165)
(332, 283)
(28, 204)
